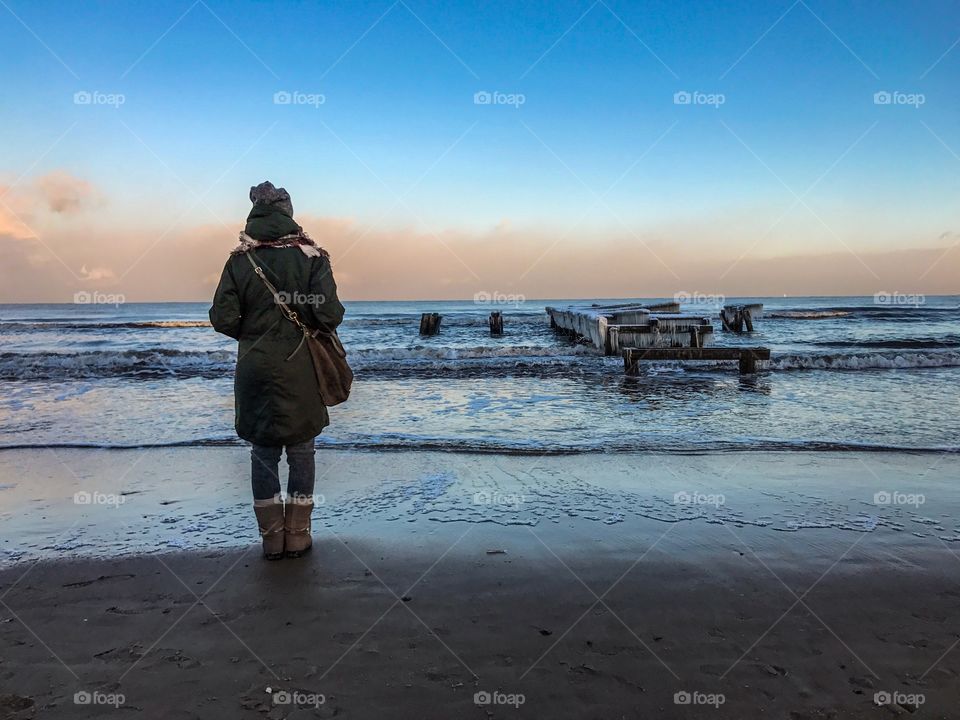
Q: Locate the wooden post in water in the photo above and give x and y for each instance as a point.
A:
(695, 337)
(430, 323)
(725, 319)
(748, 363)
(496, 323)
(737, 318)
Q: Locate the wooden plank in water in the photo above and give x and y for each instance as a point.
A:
(746, 357)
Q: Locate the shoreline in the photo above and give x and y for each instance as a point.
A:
(747, 447)
(105, 503)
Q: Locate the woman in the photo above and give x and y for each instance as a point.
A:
(278, 403)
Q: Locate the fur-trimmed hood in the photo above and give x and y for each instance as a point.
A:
(299, 239)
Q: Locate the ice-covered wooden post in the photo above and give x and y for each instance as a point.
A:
(726, 318)
(430, 323)
(736, 317)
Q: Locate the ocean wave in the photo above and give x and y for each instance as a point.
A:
(453, 319)
(430, 361)
(947, 341)
(82, 325)
(372, 356)
(809, 314)
(63, 324)
(111, 363)
(866, 361)
(169, 324)
(899, 313)
(218, 363)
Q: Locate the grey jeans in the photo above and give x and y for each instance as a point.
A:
(265, 475)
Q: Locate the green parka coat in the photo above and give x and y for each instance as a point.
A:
(277, 398)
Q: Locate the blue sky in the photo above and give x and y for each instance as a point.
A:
(598, 80)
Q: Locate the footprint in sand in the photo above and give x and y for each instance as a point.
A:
(771, 670)
(102, 578)
(124, 654)
(184, 662)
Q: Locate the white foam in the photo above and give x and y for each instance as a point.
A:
(867, 361)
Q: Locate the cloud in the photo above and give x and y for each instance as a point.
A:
(12, 226)
(23, 206)
(65, 193)
(97, 273)
(13, 206)
(156, 263)
(407, 264)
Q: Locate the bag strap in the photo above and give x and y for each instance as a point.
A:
(291, 315)
(285, 309)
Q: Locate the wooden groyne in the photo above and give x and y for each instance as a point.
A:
(611, 328)
(657, 332)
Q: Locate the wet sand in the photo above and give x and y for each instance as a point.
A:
(407, 615)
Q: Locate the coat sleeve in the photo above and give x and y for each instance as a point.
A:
(225, 313)
(328, 314)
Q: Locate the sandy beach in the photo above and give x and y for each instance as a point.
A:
(615, 612)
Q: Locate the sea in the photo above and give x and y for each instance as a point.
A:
(878, 373)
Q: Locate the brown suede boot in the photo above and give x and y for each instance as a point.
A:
(296, 528)
(269, 514)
